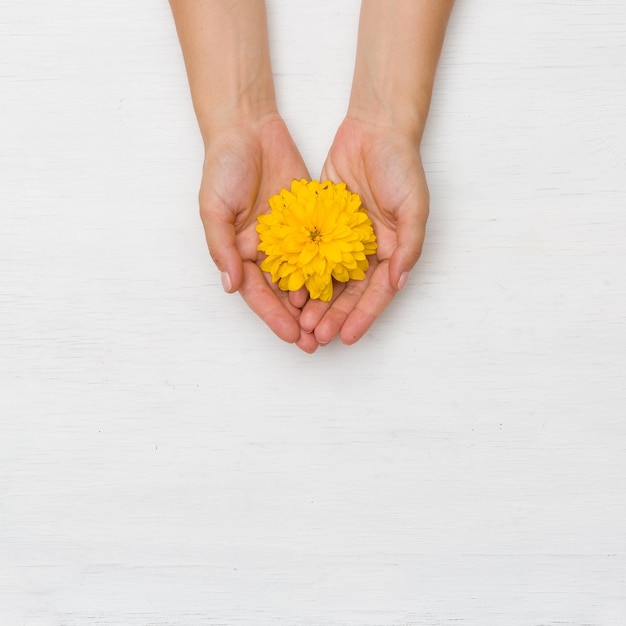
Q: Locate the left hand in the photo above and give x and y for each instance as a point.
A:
(244, 165)
(383, 165)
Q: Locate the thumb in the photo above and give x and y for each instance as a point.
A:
(220, 237)
(328, 172)
(410, 232)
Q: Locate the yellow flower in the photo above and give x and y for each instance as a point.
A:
(314, 233)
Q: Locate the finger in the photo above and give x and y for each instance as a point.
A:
(330, 173)
(307, 342)
(264, 301)
(283, 296)
(330, 325)
(299, 298)
(220, 237)
(410, 232)
(377, 295)
(314, 310)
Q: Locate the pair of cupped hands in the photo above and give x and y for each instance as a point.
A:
(245, 164)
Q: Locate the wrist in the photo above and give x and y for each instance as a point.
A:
(387, 109)
(240, 93)
(247, 110)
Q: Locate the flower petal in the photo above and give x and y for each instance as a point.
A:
(313, 233)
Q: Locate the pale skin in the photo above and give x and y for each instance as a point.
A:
(249, 153)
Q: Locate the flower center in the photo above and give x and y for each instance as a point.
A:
(315, 235)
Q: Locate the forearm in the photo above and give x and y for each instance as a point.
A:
(226, 52)
(398, 49)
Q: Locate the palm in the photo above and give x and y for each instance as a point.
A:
(244, 166)
(385, 168)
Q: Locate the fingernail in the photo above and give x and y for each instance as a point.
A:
(404, 279)
(226, 282)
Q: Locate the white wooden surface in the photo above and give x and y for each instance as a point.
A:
(165, 461)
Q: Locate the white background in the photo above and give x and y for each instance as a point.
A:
(166, 461)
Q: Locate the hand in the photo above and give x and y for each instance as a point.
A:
(383, 165)
(244, 165)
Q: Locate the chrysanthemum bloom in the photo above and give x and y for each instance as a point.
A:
(314, 233)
